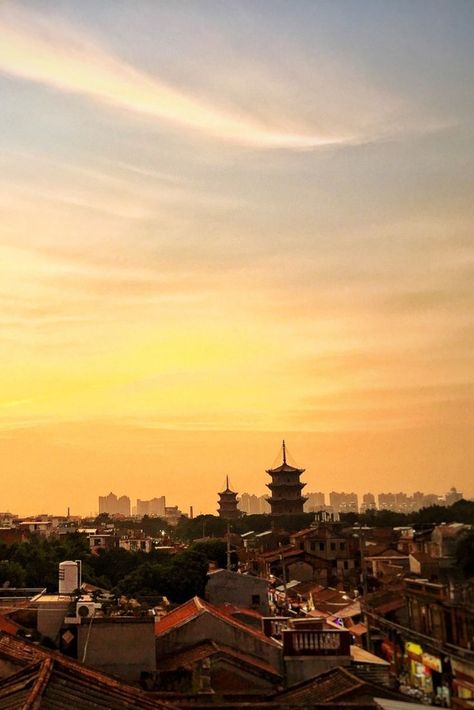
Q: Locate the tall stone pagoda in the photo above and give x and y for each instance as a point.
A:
(228, 503)
(286, 487)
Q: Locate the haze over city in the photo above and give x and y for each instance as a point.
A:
(224, 226)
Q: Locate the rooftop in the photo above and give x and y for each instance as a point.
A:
(195, 607)
(51, 681)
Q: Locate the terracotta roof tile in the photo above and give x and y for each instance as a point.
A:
(324, 688)
(54, 682)
(195, 607)
(6, 624)
(178, 616)
(206, 649)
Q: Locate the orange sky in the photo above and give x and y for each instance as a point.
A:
(260, 226)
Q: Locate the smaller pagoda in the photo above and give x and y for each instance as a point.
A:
(228, 503)
(286, 487)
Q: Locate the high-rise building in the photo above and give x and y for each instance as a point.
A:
(344, 502)
(368, 502)
(264, 505)
(387, 501)
(108, 504)
(315, 502)
(114, 506)
(143, 507)
(228, 503)
(286, 487)
(123, 506)
(452, 496)
(154, 507)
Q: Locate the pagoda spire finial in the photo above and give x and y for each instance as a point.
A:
(284, 452)
(227, 482)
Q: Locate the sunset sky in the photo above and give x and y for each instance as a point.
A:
(229, 222)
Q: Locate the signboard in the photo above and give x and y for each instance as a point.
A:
(432, 662)
(414, 651)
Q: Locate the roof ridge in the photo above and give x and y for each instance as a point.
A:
(41, 683)
(215, 611)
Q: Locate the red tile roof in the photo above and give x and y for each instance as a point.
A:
(55, 682)
(206, 649)
(195, 607)
(324, 688)
(178, 616)
(6, 624)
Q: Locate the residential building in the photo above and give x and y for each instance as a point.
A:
(112, 505)
(242, 590)
(368, 502)
(452, 496)
(197, 621)
(343, 502)
(45, 679)
(314, 502)
(153, 508)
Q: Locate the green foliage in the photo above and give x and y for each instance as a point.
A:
(12, 574)
(460, 512)
(213, 526)
(213, 550)
(179, 578)
(113, 565)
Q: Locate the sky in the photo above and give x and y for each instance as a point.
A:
(225, 223)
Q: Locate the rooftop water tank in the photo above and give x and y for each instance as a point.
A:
(68, 577)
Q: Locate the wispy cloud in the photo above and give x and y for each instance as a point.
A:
(67, 62)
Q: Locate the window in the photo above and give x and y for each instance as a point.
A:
(342, 545)
(346, 564)
(255, 599)
(333, 545)
(321, 546)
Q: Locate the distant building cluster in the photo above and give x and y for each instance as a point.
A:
(251, 504)
(341, 502)
(154, 508)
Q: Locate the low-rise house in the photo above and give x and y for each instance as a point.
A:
(212, 667)
(197, 621)
(444, 539)
(335, 687)
(242, 590)
(34, 677)
(37, 527)
(424, 565)
(136, 544)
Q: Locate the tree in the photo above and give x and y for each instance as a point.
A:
(12, 574)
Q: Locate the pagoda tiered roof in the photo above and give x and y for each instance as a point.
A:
(285, 468)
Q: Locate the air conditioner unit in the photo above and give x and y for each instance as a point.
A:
(84, 610)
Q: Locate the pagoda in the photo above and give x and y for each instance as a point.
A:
(228, 503)
(286, 487)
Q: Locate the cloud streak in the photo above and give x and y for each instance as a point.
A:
(70, 64)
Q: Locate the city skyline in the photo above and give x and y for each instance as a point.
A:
(224, 225)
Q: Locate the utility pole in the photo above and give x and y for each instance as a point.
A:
(228, 546)
(365, 586)
(283, 577)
